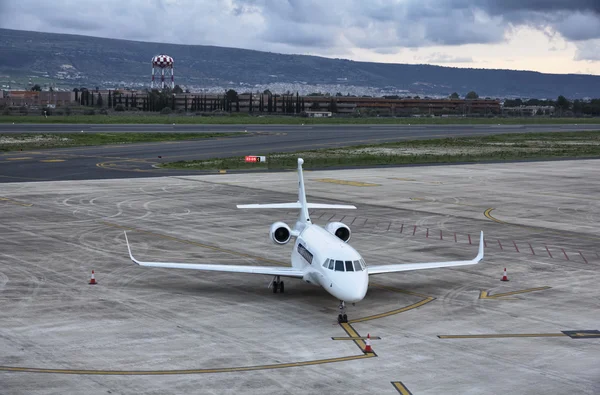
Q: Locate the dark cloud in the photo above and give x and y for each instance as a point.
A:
(315, 26)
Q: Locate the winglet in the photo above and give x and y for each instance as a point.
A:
(129, 249)
(479, 256)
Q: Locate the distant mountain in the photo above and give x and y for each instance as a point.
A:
(89, 61)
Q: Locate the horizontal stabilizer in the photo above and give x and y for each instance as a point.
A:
(298, 206)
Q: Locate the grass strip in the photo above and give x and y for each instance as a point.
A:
(28, 141)
(244, 119)
(504, 147)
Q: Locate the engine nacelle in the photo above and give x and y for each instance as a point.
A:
(340, 230)
(280, 233)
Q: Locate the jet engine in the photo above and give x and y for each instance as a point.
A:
(340, 230)
(280, 233)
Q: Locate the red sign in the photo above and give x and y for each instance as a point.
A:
(252, 158)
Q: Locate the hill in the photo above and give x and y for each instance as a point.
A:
(89, 61)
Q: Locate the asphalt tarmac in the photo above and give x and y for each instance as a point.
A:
(139, 160)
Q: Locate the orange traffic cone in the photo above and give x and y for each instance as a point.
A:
(505, 277)
(368, 343)
(93, 279)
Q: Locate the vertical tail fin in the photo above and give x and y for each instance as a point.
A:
(301, 204)
(304, 216)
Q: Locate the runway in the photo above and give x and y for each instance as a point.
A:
(138, 160)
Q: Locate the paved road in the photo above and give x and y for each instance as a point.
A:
(137, 160)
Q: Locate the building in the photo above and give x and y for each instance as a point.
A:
(37, 99)
(528, 110)
(258, 103)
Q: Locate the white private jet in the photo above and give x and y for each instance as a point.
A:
(321, 256)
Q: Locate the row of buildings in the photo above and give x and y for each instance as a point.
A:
(246, 102)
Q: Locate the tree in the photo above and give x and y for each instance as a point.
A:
(454, 96)
(562, 103)
(315, 106)
(100, 101)
(472, 95)
(36, 88)
(177, 89)
(231, 96)
(332, 106)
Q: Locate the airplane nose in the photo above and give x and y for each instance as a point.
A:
(352, 290)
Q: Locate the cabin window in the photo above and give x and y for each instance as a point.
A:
(305, 253)
(339, 266)
(331, 264)
(349, 267)
(357, 266)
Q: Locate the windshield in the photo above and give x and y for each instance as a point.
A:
(344, 266)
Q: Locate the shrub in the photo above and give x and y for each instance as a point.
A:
(89, 112)
(120, 108)
(23, 110)
(103, 111)
(166, 110)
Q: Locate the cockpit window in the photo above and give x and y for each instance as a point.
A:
(357, 266)
(331, 264)
(326, 263)
(349, 266)
(339, 266)
(363, 264)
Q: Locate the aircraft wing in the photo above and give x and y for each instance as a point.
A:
(298, 205)
(402, 267)
(268, 270)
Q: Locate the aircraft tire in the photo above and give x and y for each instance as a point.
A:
(281, 287)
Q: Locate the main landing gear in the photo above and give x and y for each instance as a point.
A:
(277, 285)
(342, 317)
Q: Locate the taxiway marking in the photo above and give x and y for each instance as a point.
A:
(351, 183)
(184, 371)
(501, 335)
(488, 215)
(15, 202)
(580, 334)
(401, 388)
(486, 295)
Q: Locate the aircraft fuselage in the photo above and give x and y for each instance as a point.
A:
(331, 263)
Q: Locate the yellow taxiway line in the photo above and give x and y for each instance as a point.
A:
(401, 388)
(3, 199)
(501, 335)
(486, 295)
(351, 183)
(185, 371)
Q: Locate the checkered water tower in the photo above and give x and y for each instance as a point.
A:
(162, 66)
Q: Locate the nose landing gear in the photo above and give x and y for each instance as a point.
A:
(342, 317)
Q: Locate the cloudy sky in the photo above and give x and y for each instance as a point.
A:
(554, 36)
